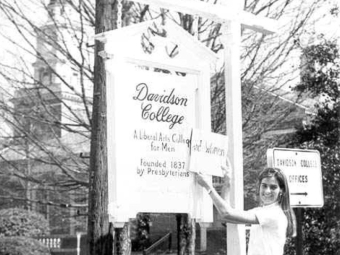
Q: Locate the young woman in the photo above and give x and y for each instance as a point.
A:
(271, 222)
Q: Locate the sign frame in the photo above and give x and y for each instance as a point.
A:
(117, 55)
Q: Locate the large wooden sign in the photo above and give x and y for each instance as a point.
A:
(154, 100)
(303, 171)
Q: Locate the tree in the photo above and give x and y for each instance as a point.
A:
(100, 235)
(320, 79)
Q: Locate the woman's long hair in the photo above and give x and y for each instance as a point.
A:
(283, 199)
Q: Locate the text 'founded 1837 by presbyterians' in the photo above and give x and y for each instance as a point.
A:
(162, 168)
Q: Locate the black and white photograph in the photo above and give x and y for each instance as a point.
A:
(178, 127)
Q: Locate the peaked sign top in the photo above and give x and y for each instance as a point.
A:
(155, 42)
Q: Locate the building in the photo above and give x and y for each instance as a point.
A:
(50, 126)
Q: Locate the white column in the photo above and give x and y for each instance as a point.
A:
(236, 241)
(203, 236)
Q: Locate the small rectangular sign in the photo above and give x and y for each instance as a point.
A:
(208, 152)
(303, 171)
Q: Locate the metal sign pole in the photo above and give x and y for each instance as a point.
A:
(299, 236)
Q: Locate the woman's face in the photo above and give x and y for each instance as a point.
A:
(269, 190)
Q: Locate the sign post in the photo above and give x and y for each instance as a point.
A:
(119, 50)
(231, 39)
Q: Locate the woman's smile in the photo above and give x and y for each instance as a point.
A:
(269, 190)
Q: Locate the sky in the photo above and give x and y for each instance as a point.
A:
(325, 23)
(9, 52)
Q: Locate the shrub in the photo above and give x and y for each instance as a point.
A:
(20, 222)
(22, 246)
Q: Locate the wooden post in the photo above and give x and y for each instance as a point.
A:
(182, 234)
(179, 223)
(99, 236)
(123, 243)
(231, 41)
(186, 228)
(192, 236)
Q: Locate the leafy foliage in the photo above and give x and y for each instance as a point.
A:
(141, 232)
(20, 222)
(17, 227)
(321, 227)
(22, 246)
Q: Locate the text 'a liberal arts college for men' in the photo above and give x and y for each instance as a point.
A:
(162, 114)
(160, 136)
(160, 141)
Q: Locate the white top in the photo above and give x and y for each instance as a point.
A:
(269, 236)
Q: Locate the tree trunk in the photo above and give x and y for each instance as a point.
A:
(100, 234)
(192, 236)
(186, 234)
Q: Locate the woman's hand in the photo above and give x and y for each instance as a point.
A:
(227, 173)
(203, 181)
